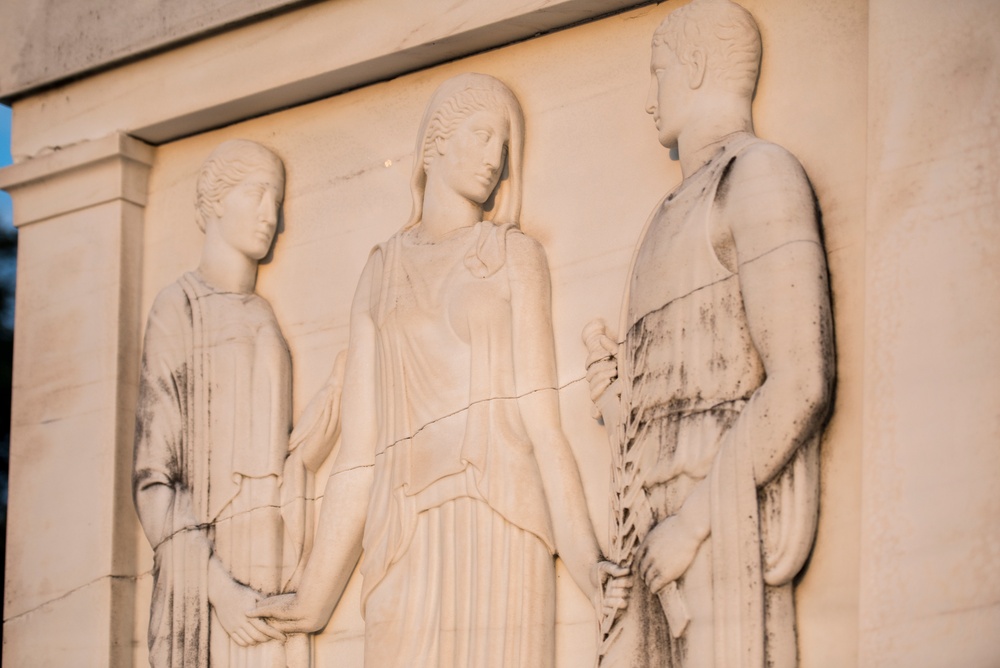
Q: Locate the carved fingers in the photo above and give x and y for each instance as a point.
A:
(232, 609)
(602, 363)
(288, 613)
(666, 553)
(255, 631)
(600, 376)
(606, 570)
(614, 583)
(616, 596)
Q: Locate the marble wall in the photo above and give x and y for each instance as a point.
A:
(892, 112)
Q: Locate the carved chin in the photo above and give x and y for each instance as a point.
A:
(668, 140)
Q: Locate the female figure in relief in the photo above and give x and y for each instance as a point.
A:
(453, 461)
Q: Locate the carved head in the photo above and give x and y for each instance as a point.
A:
(473, 105)
(721, 32)
(229, 165)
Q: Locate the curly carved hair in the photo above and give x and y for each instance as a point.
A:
(225, 167)
(727, 31)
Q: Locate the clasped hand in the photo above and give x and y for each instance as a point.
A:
(290, 613)
(233, 602)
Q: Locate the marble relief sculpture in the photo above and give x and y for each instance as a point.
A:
(716, 399)
(219, 497)
(453, 463)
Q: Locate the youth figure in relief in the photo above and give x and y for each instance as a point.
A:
(453, 461)
(219, 495)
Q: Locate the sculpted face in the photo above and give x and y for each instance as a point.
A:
(471, 160)
(248, 212)
(668, 94)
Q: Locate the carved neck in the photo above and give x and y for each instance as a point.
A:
(445, 210)
(718, 116)
(224, 267)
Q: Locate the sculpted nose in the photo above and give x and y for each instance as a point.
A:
(651, 98)
(268, 208)
(494, 156)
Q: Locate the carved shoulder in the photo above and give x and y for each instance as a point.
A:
(525, 254)
(763, 170)
(764, 200)
(170, 298)
(170, 312)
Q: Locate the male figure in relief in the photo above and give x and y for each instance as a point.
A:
(715, 401)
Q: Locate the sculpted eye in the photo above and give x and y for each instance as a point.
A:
(483, 135)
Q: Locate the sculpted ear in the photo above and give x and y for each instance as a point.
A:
(696, 65)
(439, 145)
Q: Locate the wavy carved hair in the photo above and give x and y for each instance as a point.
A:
(226, 166)
(727, 31)
(454, 101)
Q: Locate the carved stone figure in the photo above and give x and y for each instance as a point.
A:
(219, 499)
(716, 399)
(453, 462)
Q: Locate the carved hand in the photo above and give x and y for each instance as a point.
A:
(318, 428)
(667, 552)
(602, 363)
(290, 613)
(613, 583)
(232, 602)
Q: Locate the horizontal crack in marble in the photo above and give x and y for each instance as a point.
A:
(206, 525)
(73, 591)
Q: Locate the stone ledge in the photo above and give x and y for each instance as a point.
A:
(303, 55)
(94, 172)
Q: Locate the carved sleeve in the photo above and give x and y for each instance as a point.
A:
(161, 412)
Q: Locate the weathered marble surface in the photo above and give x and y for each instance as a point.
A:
(718, 384)
(930, 581)
(219, 486)
(454, 474)
(76, 371)
(46, 41)
(347, 191)
(875, 99)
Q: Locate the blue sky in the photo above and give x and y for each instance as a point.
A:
(5, 211)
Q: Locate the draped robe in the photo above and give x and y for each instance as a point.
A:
(458, 567)
(689, 368)
(212, 426)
